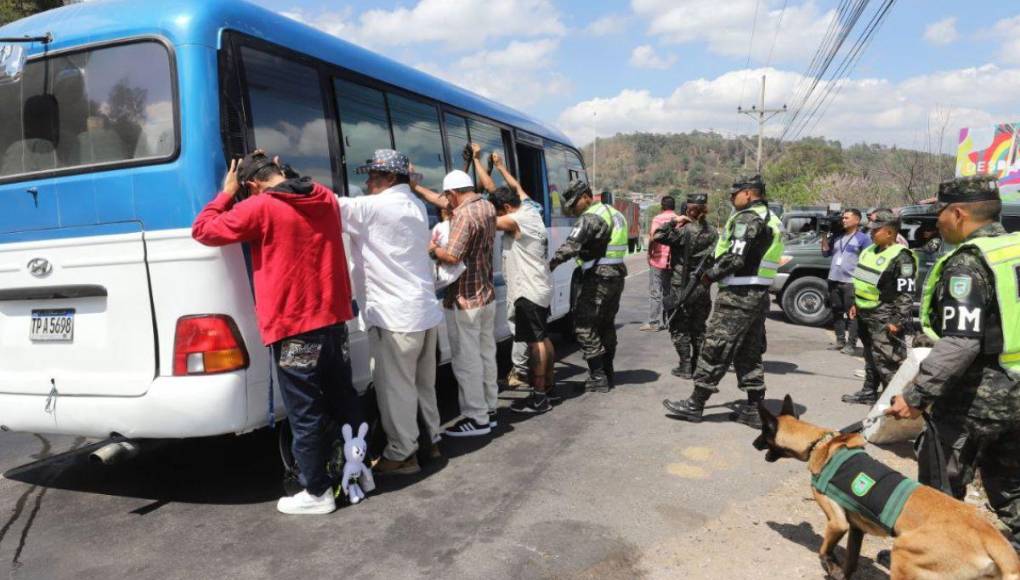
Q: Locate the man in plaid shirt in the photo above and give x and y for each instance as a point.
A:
(469, 303)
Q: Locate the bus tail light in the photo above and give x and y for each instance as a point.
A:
(207, 344)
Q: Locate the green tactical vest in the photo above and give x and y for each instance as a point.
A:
(1002, 256)
(870, 266)
(769, 264)
(617, 248)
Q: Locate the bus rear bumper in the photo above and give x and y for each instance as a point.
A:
(173, 407)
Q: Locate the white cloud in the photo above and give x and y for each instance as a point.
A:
(1005, 29)
(518, 75)
(456, 24)
(607, 25)
(726, 26)
(942, 32)
(644, 56)
(872, 110)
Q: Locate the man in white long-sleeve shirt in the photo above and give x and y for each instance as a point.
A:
(389, 245)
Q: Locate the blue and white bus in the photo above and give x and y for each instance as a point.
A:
(112, 319)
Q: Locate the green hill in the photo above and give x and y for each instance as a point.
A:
(805, 172)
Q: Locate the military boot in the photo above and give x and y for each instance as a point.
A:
(868, 394)
(692, 408)
(597, 381)
(747, 412)
(607, 367)
(683, 350)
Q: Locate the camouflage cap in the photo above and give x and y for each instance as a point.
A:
(574, 191)
(968, 189)
(752, 182)
(697, 198)
(884, 217)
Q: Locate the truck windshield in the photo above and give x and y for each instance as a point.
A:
(103, 106)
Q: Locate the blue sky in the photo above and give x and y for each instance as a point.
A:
(679, 65)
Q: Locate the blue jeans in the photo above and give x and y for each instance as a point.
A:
(314, 370)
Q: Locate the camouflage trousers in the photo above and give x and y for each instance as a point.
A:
(595, 314)
(687, 327)
(737, 336)
(971, 446)
(883, 352)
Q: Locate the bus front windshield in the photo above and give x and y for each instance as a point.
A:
(106, 105)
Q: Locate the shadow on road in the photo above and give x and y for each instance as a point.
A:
(804, 535)
(215, 470)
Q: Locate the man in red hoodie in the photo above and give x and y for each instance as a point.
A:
(302, 302)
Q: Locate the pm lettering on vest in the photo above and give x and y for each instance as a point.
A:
(739, 246)
(966, 319)
(904, 284)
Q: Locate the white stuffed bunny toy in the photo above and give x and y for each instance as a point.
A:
(357, 479)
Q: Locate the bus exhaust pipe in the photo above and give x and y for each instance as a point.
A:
(113, 453)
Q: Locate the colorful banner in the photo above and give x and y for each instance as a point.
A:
(992, 150)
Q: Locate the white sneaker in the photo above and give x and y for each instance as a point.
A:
(305, 503)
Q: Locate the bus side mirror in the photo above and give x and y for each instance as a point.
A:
(12, 63)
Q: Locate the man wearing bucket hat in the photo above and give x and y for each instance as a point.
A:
(599, 242)
(389, 246)
(971, 379)
(883, 305)
(746, 259)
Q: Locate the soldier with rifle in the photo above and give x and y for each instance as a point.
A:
(691, 240)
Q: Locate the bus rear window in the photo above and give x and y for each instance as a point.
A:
(94, 107)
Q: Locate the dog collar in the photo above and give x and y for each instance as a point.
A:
(822, 440)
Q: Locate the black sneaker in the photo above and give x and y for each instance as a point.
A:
(534, 404)
(493, 423)
(467, 428)
(688, 409)
(747, 414)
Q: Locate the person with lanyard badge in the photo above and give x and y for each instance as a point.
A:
(844, 252)
(884, 300)
(691, 241)
(746, 259)
(970, 307)
(599, 241)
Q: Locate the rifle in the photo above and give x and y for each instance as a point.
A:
(693, 279)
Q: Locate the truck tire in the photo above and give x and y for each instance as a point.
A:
(805, 301)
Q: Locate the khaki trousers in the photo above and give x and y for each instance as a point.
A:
(405, 380)
(473, 346)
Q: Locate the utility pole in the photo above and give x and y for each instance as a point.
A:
(762, 116)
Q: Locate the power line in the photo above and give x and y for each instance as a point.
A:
(779, 24)
(750, 49)
(838, 80)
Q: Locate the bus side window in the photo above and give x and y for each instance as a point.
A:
(364, 127)
(490, 138)
(558, 178)
(416, 133)
(288, 123)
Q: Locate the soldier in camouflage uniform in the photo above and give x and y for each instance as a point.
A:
(883, 305)
(971, 379)
(691, 240)
(599, 241)
(747, 257)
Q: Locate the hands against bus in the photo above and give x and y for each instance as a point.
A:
(230, 184)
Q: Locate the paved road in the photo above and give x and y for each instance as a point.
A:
(583, 491)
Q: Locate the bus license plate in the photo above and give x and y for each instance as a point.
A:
(52, 325)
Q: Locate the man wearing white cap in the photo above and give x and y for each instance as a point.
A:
(470, 301)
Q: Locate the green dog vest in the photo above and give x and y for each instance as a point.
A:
(865, 486)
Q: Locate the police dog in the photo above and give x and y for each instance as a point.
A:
(936, 535)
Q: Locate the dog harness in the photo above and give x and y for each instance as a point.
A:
(863, 485)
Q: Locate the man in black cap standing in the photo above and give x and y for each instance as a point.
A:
(599, 241)
(883, 280)
(691, 240)
(971, 378)
(746, 259)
